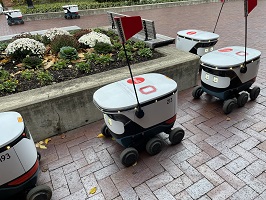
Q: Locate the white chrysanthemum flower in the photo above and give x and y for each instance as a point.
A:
(35, 47)
(51, 33)
(92, 38)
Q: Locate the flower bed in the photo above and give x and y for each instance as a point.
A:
(32, 61)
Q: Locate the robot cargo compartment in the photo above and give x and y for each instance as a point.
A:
(120, 95)
(229, 57)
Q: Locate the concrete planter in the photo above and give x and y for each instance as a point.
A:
(68, 105)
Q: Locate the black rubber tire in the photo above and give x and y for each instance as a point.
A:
(129, 156)
(21, 22)
(228, 106)
(254, 93)
(242, 99)
(41, 192)
(78, 16)
(197, 92)
(65, 17)
(105, 131)
(154, 146)
(176, 135)
(39, 156)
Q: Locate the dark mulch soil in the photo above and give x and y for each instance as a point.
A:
(65, 74)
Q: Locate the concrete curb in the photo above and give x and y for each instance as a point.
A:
(68, 105)
(42, 16)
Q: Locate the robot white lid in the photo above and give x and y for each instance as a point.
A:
(120, 95)
(198, 35)
(11, 126)
(229, 56)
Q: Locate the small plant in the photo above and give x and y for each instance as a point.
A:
(4, 75)
(102, 48)
(92, 57)
(139, 45)
(32, 62)
(9, 85)
(3, 46)
(84, 66)
(92, 38)
(61, 64)
(23, 47)
(27, 74)
(117, 45)
(146, 52)
(63, 41)
(44, 77)
(68, 53)
(104, 59)
(122, 56)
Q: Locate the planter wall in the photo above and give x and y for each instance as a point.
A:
(68, 105)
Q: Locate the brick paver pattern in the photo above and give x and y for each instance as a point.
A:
(221, 157)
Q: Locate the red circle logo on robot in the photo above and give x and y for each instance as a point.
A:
(137, 80)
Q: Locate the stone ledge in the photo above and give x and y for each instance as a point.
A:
(68, 105)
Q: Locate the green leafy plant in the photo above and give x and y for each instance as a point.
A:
(32, 62)
(104, 59)
(9, 85)
(122, 56)
(4, 75)
(60, 64)
(139, 45)
(62, 41)
(3, 46)
(84, 66)
(44, 77)
(102, 48)
(27, 74)
(92, 57)
(146, 52)
(28, 35)
(68, 53)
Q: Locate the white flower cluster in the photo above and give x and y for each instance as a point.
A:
(93, 37)
(35, 47)
(51, 33)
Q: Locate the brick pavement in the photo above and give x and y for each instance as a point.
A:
(221, 157)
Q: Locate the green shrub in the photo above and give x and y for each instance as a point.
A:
(3, 46)
(32, 62)
(102, 48)
(68, 53)
(104, 59)
(139, 45)
(44, 77)
(4, 75)
(91, 56)
(9, 85)
(146, 52)
(84, 66)
(63, 41)
(60, 64)
(27, 74)
(122, 56)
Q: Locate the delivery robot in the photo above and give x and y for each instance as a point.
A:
(227, 76)
(13, 17)
(132, 127)
(196, 41)
(19, 160)
(71, 12)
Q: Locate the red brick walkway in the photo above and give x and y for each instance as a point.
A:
(221, 157)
